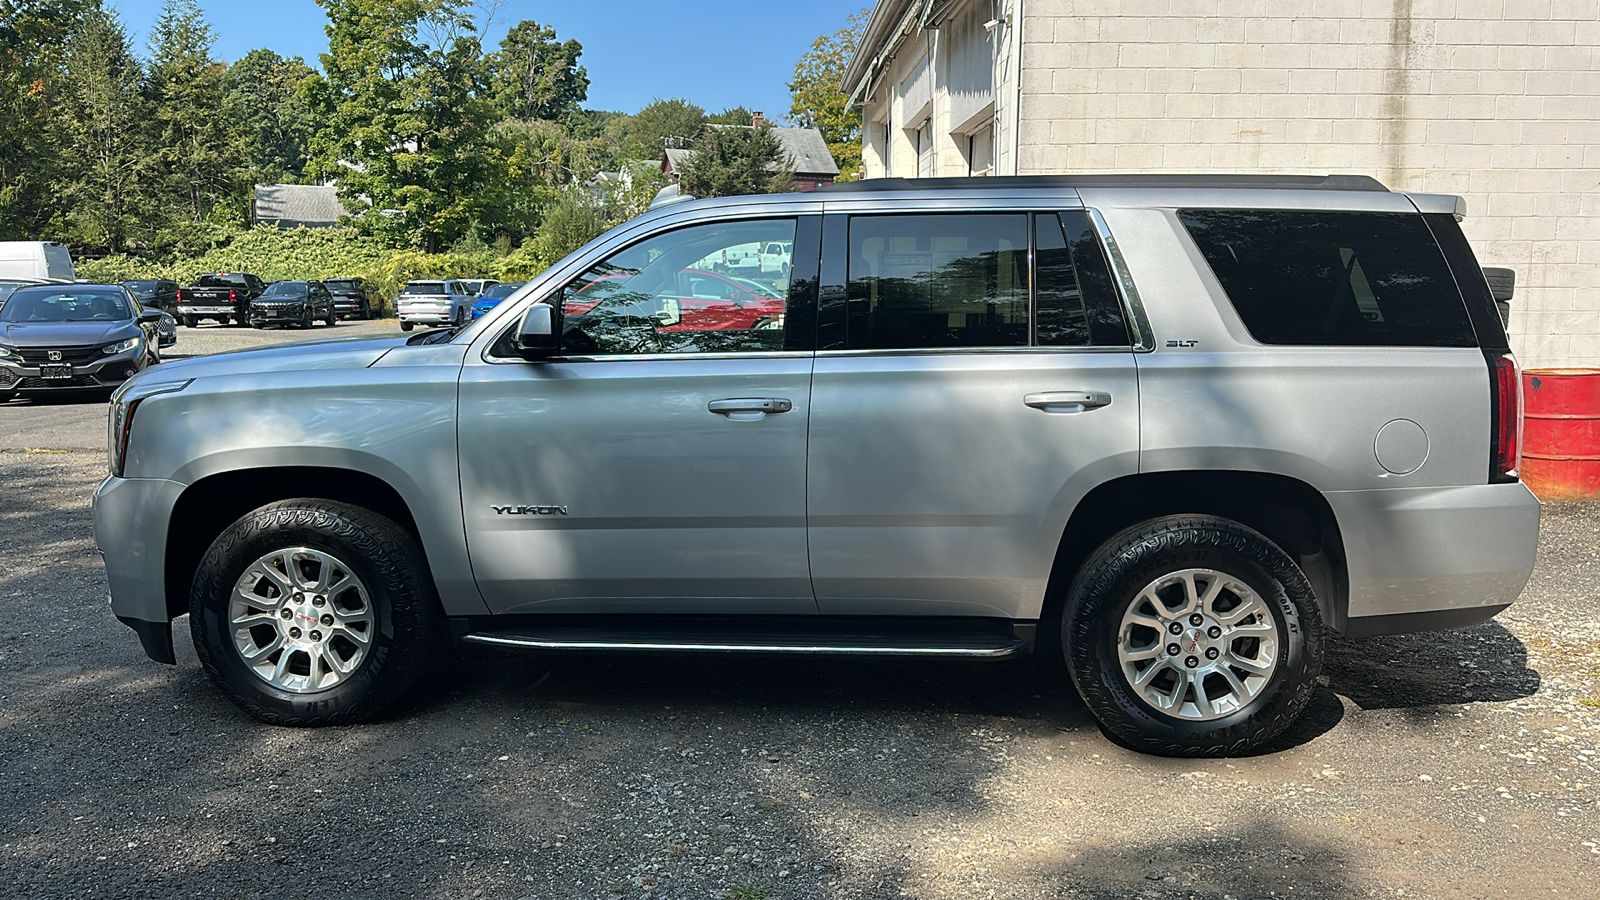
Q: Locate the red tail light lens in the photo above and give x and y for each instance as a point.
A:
(1506, 442)
(233, 296)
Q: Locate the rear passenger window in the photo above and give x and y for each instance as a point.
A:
(1333, 278)
(938, 281)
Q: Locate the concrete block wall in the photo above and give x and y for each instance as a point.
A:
(1495, 100)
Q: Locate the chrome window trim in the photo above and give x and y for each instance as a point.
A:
(974, 351)
(611, 357)
(1132, 306)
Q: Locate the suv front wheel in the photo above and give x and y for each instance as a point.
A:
(1193, 636)
(310, 612)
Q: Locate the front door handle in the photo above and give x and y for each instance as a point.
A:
(749, 409)
(1067, 401)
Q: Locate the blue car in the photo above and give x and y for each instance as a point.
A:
(492, 296)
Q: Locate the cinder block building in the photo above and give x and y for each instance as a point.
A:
(1495, 100)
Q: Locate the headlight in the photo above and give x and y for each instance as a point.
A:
(121, 346)
(9, 354)
(124, 403)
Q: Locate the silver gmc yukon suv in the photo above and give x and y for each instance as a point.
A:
(1181, 430)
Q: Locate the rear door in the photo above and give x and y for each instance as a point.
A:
(644, 469)
(974, 381)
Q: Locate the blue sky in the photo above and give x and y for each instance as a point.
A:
(717, 53)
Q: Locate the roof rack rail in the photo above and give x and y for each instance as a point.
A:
(1259, 182)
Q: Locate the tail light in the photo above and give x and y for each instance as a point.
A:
(233, 296)
(1505, 443)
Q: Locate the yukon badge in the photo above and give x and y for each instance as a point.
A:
(529, 510)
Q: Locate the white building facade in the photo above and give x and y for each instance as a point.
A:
(1495, 100)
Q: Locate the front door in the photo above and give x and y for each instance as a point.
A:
(649, 467)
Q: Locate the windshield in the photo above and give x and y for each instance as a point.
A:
(6, 289)
(501, 290)
(223, 280)
(54, 304)
(142, 287)
(423, 287)
(342, 284)
(285, 289)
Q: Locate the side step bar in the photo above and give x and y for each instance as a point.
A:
(989, 639)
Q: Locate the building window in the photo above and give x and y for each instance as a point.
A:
(924, 142)
(980, 151)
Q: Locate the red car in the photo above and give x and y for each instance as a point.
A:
(706, 301)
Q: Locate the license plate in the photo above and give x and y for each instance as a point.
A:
(55, 372)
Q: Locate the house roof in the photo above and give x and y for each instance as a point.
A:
(807, 151)
(288, 205)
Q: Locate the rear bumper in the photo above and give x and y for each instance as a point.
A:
(207, 309)
(130, 528)
(1426, 558)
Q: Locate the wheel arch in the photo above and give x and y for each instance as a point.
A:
(1289, 512)
(212, 503)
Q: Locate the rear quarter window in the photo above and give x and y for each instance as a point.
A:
(1333, 278)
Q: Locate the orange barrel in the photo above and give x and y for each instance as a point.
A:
(1561, 433)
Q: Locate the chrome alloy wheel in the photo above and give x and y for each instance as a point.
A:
(301, 620)
(1198, 644)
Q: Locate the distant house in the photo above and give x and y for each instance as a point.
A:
(805, 148)
(296, 205)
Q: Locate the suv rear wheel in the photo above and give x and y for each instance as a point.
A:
(1193, 636)
(310, 612)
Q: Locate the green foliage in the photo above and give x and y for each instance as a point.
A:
(631, 196)
(33, 38)
(663, 123)
(574, 219)
(263, 99)
(406, 119)
(733, 115)
(106, 164)
(200, 149)
(535, 76)
(820, 103)
(736, 160)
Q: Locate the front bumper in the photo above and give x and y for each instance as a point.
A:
(106, 372)
(260, 315)
(1425, 558)
(130, 517)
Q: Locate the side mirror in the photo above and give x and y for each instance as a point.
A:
(539, 334)
(151, 315)
(669, 314)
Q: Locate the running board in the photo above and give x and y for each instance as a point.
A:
(990, 640)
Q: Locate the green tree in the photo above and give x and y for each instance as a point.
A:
(33, 37)
(200, 148)
(575, 218)
(406, 117)
(733, 115)
(732, 160)
(263, 98)
(818, 100)
(106, 148)
(536, 76)
(663, 123)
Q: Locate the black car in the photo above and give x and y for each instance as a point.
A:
(352, 298)
(292, 303)
(57, 337)
(155, 293)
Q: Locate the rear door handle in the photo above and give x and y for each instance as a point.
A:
(749, 409)
(1067, 401)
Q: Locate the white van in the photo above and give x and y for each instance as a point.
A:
(36, 259)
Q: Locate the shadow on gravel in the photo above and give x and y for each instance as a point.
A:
(1257, 859)
(1482, 664)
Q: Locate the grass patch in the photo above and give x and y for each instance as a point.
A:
(748, 891)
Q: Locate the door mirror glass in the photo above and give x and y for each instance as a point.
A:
(539, 335)
(670, 313)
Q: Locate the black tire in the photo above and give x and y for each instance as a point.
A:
(407, 326)
(1111, 581)
(331, 318)
(408, 630)
(187, 321)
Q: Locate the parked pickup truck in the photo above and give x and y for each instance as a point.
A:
(223, 296)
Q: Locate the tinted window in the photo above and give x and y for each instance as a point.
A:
(227, 281)
(1333, 278)
(285, 288)
(938, 281)
(1061, 318)
(423, 287)
(675, 293)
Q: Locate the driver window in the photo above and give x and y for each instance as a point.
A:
(701, 289)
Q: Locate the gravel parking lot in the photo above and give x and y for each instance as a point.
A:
(1457, 764)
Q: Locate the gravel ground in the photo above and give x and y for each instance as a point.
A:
(1457, 764)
